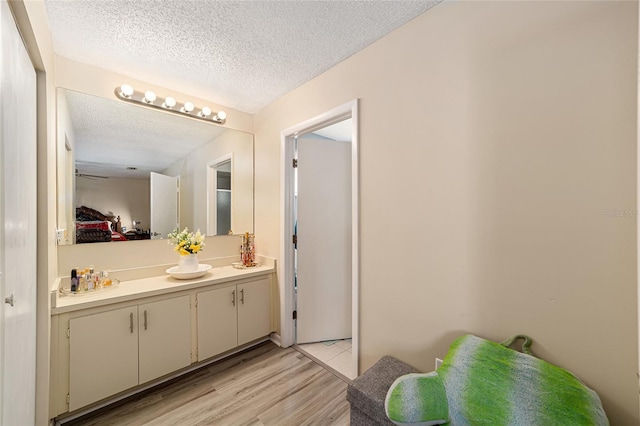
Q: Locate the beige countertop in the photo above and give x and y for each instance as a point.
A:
(152, 286)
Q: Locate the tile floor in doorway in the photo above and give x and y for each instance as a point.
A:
(334, 353)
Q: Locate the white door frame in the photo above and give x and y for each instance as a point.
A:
(212, 186)
(285, 268)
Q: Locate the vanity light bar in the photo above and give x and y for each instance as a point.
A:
(149, 99)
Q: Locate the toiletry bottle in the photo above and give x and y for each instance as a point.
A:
(89, 280)
(96, 280)
(92, 279)
(81, 282)
(74, 280)
(106, 280)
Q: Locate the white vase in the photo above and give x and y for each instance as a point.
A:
(188, 263)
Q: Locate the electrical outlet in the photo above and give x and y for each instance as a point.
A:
(438, 363)
(61, 235)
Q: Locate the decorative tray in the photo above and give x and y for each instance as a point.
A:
(203, 268)
(240, 265)
(66, 291)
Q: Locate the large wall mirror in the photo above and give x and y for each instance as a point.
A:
(126, 172)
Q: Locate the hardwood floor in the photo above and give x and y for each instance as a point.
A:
(267, 385)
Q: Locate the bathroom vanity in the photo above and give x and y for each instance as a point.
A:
(113, 343)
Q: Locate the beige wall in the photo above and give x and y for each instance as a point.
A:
(125, 197)
(138, 254)
(193, 181)
(510, 128)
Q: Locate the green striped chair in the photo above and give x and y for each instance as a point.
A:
(485, 383)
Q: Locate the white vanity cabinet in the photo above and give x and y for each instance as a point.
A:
(116, 350)
(232, 316)
(109, 345)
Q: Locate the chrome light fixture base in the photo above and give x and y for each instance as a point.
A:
(188, 109)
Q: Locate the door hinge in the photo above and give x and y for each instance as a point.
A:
(68, 399)
(295, 239)
(295, 163)
(68, 333)
(295, 315)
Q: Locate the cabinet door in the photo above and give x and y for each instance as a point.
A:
(164, 337)
(254, 310)
(217, 322)
(103, 355)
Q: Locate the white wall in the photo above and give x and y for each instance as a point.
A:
(510, 128)
(125, 197)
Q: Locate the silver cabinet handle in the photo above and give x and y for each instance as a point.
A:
(131, 322)
(233, 298)
(145, 319)
(9, 299)
(242, 296)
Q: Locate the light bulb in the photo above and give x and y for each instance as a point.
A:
(149, 97)
(188, 107)
(206, 111)
(169, 102)
(126, 91)
(221, 115)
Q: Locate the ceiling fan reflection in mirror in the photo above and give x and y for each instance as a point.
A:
(92, 177)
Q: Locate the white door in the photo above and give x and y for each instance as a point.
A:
(18, 229)
(323, 240)
(164, 205)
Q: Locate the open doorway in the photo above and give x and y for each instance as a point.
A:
(320, 239)
(322, 254)
(219, 195)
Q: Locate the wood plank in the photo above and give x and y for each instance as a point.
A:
(264, 386)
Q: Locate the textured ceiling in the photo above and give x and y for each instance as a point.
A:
(241, 54)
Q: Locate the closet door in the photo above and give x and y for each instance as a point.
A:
(18, 162)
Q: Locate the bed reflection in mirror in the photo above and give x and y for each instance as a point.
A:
(126, 172)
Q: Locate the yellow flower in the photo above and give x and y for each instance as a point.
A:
(186, 242)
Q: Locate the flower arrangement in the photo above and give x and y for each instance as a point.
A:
(186, 242)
